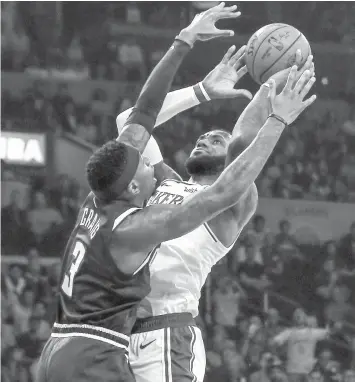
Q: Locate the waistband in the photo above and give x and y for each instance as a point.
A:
(89, 331)
(173, 320)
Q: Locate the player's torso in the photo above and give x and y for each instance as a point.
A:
(92, 289)
(181, 265)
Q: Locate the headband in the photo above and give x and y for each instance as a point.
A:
(131, 165)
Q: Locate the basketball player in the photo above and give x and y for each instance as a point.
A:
(105, 268)
(167, 345)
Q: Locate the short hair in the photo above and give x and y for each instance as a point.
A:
(106, 165)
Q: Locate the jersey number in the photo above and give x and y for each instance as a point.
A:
(78, 254)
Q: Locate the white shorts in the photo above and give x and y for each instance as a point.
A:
(167, 348)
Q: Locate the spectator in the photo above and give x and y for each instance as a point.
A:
(75, 52)
(323, 362)
(8, 339)
(61, 98)
(42, 218)
(262, 375)
(31, 346)
(87, 130)
(34, 276)
(13, 278)
(130, 55)
(22, 309)
(44, 327)
(272, 324)
(14, 224)
(349, 375)
(253, 279)
(36, 97)
(301, 343)
(70, 120)
(258, 235)
(226, 303)
(339, 308)
(20, 46)
(284, 242)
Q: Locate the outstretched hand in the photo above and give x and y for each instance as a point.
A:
(220, 82)
(280, 77)
(289, 103)
(203, 26)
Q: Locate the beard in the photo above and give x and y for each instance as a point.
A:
(204, 165)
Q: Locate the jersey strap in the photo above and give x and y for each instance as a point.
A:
(120, 218)
(94, 332)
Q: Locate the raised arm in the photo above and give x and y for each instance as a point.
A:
(139, 125)
(257, 111)
(202, 28)
(158, 223)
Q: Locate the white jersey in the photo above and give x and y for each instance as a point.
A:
(181, 265)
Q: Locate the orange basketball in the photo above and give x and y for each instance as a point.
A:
(273, 48)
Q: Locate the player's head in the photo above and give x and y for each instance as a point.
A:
(118, 171)
(209, 154)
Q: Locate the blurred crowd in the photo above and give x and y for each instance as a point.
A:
(274, 309)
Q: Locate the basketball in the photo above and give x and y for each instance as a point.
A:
(273, 48)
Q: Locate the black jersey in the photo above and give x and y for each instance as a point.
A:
(93, 292)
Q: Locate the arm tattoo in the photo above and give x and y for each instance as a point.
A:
(251, 120)
(135, 135)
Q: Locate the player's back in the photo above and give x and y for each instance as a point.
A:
(97, 301)
(93, 290)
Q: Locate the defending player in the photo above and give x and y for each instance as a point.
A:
(167, 345)
(105, 269)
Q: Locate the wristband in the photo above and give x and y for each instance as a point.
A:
(152, 152)
(200, 93)
(184, 37)
(280, 119)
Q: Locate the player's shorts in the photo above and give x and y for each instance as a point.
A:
(84, 353)
(167, 348)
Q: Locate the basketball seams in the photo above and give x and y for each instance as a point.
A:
(261, 43)
(266, 70)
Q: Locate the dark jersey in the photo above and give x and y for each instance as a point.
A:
(93, 290)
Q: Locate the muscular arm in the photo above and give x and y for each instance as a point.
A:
(158, 223)
(140, 123)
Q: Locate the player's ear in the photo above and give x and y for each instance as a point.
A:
(133, 187)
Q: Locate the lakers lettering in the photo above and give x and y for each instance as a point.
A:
(165, 198)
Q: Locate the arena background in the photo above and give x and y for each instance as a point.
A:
(68, 68)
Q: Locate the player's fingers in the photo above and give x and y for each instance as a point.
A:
(307, 87)
(228, 55)
(308, 64)
(302, 82)
(232, 8)
(226, 15)
(290, 79)
(237, 55)
(244, 93)
(308, 101)
(242, 72)
(239, 63)
(298, 58)
(216, 8)
(223, 33)
(272, 89)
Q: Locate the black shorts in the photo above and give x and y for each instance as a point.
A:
(83, 359)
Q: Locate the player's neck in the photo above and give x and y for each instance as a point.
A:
(204, 180)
